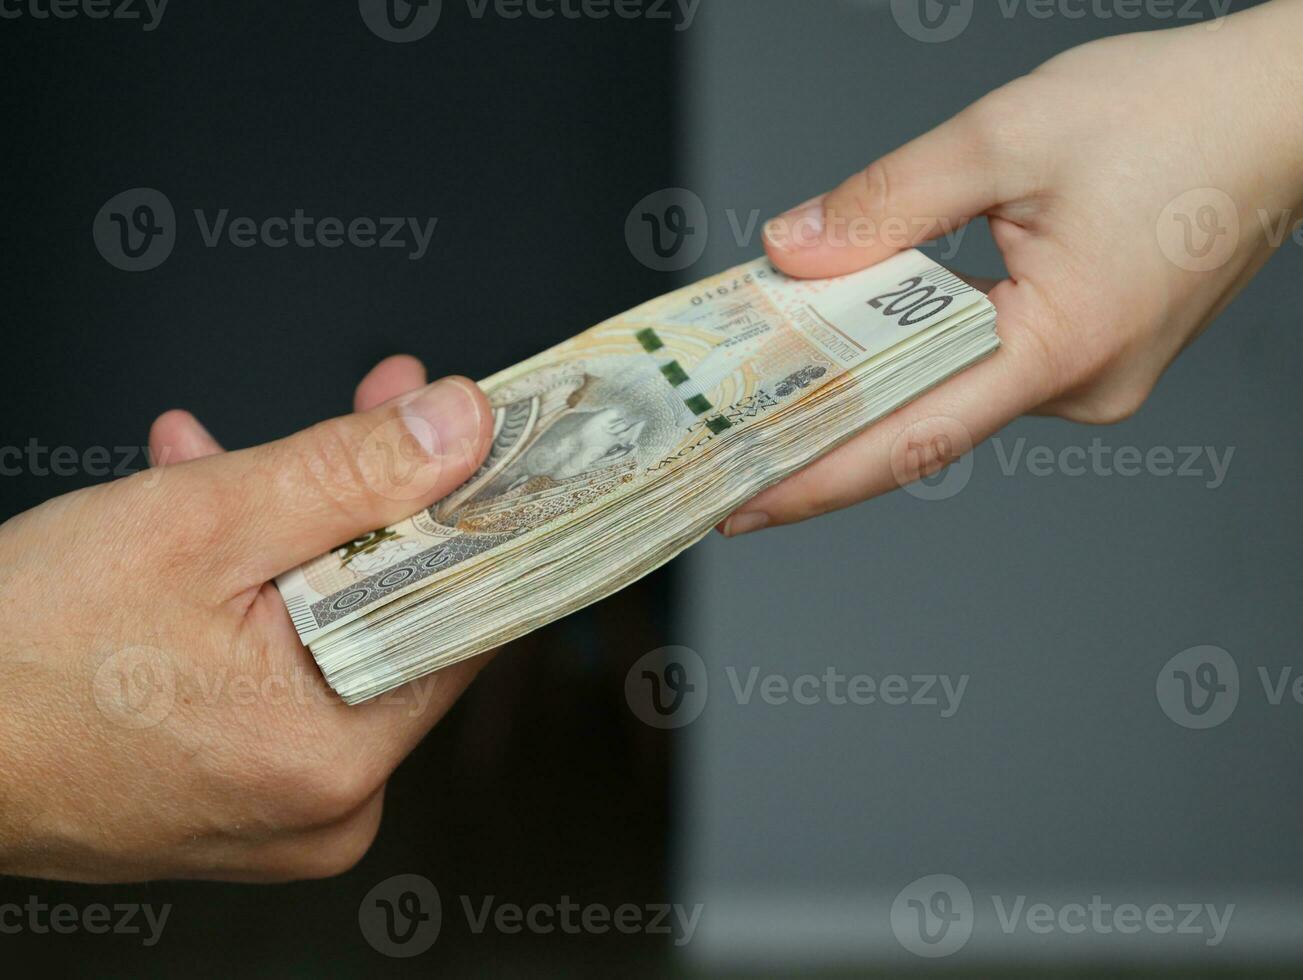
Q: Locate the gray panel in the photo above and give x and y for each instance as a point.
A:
(1060, 597)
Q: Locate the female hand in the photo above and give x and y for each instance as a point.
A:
(158, 714)
(1133, 187)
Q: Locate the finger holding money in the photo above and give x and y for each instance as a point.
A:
(1125, 227)
(171, 724)
(177, 437)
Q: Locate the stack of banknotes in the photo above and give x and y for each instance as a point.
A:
(619, 448)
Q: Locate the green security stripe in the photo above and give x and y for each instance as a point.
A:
(674, 373)
(698, 404)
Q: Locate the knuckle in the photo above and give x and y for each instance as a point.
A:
(1011, 112)
(1105, 406)
(992, 121)
(868, 193)
(1002, 130)
(311, 857)
(314, 791)
(336, 857)
(335, 791)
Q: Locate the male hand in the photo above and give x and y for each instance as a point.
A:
(158, 715)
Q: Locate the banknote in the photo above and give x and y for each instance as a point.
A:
(672, 411)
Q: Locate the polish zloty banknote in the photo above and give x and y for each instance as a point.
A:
(676, 411)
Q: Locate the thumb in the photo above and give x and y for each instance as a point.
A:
(276, 506)
(928, 188)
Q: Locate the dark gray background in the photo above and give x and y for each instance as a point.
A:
(530, 141)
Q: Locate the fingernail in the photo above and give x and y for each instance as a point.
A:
(442, 417)
(740, 524)
(800, 227)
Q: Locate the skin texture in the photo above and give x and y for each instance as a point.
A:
(230, 758)
(1074, 166)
